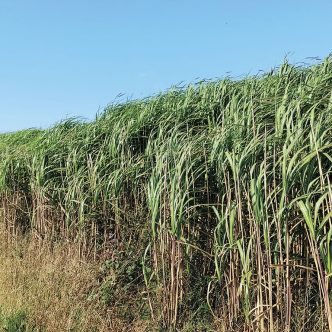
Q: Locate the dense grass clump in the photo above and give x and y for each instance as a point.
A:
(212, 202)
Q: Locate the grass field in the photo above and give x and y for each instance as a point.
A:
(209, 205)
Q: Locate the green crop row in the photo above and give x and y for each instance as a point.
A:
(221, 189)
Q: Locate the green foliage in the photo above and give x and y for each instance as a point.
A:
(16, 322)
(221, 189)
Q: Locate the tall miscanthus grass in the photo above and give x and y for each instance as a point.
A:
(223, 188)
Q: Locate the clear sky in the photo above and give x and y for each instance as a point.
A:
(63, 58)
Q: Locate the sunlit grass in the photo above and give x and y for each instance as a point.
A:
(223, 189)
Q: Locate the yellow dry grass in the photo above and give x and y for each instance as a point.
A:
(52, 286)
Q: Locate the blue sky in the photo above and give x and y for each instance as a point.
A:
(73, 57)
